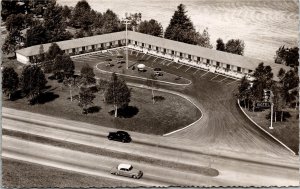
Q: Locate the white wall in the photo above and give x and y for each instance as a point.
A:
(23, 59)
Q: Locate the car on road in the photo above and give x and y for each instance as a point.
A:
(126, 170)
(120, 136)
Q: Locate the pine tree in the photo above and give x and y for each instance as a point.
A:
(86, 98)
(220, 45)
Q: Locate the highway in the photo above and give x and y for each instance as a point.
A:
(234, 168)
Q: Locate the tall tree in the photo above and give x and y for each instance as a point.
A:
(15, 22)
(86, 98)
(12, 42)
(117, 93)
(10, 81)
(180, 28)
(287, 56)
(235, 46)
(111, 22)
(41, 55)
(87, 75)
(81, 16)
(204, 39)
(53, 51)
(63, 64)
(32, 81)
(36, 35)
(220, 45)
(243, 89)
(151, 27)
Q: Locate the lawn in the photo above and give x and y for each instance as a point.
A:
(286, 131)
(171, 113)
(20, 174)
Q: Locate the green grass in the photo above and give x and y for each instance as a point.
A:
(164, 116)
(20, 174)
(287, 131)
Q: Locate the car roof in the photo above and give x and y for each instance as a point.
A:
(124, 166)
(122, 132)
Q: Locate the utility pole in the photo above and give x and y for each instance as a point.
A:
(272, 107)
(126, 22)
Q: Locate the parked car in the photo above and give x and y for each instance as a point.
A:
(120, 136)
(126, 170)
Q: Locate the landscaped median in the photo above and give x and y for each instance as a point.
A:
(286, 132)
(145, 75)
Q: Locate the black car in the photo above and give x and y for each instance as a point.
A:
(121, 136)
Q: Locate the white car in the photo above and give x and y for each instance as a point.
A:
(126, 170)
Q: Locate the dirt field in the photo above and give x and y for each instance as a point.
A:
(264, 25)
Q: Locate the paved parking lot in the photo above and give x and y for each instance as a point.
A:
(154, 61)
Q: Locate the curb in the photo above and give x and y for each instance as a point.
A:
(238, 101)
(174, 93)
(170, 83)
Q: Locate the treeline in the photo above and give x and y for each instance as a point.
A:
(284, 93)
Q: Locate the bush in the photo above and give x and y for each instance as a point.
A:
(158, 98)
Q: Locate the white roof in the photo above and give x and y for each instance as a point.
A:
(141, 65)
(124, 166)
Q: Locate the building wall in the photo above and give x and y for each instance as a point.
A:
(22, 59)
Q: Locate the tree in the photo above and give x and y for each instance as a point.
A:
(287, 56)
(220, 45)
(10, 81)
(15, 22)
(235, 46)
(11, 43)
(66, 12)
(63, 63)
(117, 93)
(111, 22)
(41, 55)
(86, 98)
(87, 75)
(81, 16)
(32, 81)
(53, 51)
(244, 89)
(36, 35)
(289, 82)
(203, 39)
(180, 28)
(281, 74)
(151, 27)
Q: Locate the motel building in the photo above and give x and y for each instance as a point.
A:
(228, 64)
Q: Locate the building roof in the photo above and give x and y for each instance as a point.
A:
(219, 56)
(74, 43)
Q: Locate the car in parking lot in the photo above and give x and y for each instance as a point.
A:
(120, 136)
(126, 170)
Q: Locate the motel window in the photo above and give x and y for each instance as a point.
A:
(218, 64)
(93, 47)
(73, 50)
(157, 48)
(189, 56)
(149, 46)
(129, 41)
(83, 48)
(239, 69)
(173, 52)
(198, 58)
(165, 50)
(250, 71)
(135, 42)
(110, 44)
(228, 66)
(143, 44)
(102, 45)
(180, 54)
(207, 61)
(119, 42)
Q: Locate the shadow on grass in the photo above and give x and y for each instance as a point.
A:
(127, 112)
(93, 109)
(44, 98)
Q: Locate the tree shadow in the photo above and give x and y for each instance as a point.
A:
(93, 109)
(44, 98)
(126, 112)
(16, 95)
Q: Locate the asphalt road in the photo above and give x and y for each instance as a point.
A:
(250, 171)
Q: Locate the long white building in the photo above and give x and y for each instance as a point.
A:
(180, 52)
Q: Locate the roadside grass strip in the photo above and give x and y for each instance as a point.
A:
(205, 73)
(155, 59)
(149, 56)
(170, 63)
(137, 54)
(143, 56)
(162, 62)
(214, 77)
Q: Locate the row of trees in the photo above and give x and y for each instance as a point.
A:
(284, 92)
(234, 46)
(287, 56)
